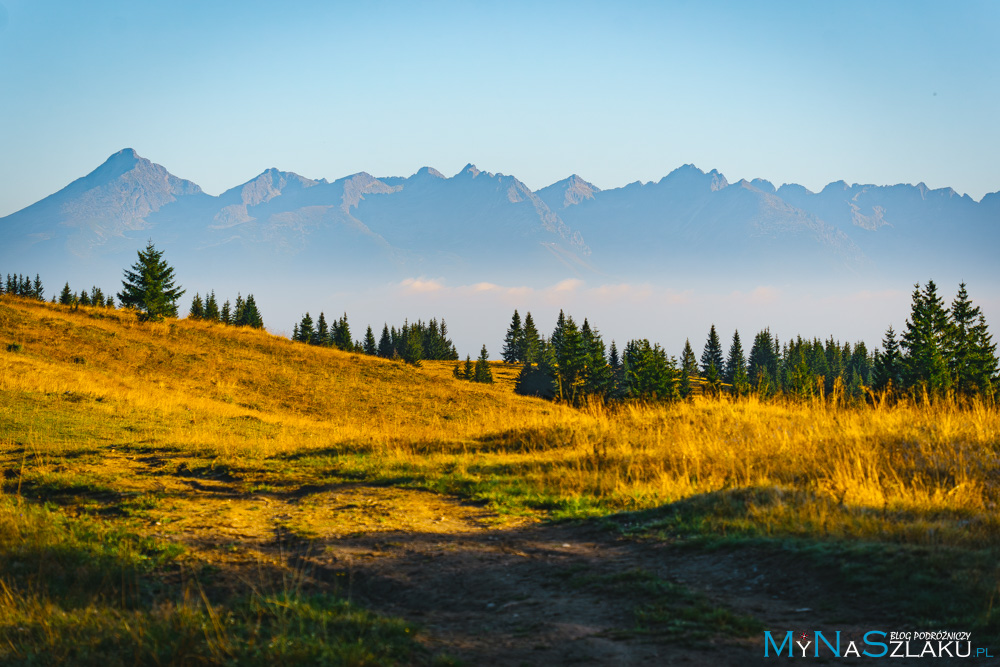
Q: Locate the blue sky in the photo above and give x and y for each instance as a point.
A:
(806, 92)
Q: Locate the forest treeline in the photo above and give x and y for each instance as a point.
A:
(942, 351)
(411, 343)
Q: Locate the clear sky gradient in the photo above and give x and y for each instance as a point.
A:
(807, 92)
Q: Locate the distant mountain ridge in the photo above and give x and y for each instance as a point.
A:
(483, 225)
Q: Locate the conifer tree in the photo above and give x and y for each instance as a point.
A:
(613, 359)
(970, 350)
(385, 343)
(530, 341)
(482, 372)
(571, 359)
(370, 347)
(513, 343)
(66, 295)
(412, 346)
(212, 308)
(689, 369)
(597, 374)
(38, 291)
(226, 315)
(307, 334)
(84, 298)
(197, 310)
(149, 286)
(322, 333)
(342, 334)
(713, 364)
(251, 315)
(97, 296)
(735, 362)
(924, 343)
(469, 372)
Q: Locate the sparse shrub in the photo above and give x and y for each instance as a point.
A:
(15, 347)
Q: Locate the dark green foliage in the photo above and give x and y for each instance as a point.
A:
(66, 295)
(469, 372)
(482, 371)
(369, 345)
(736, 367)
(305, 332)
(226, 314)
(925, 343)
(84, 298)
(971, 351)
(321, 336)
(412, 345)
(647, 372)
(597, 373)
(38, 290)
(197, 310)
(149, 286)
(513, 343)
(689, 370)
(340, 334)
(530, 341)
(385, 343)
(762, 366)
(212, 308)
(246, 314)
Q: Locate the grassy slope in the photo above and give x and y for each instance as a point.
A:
(92, 389)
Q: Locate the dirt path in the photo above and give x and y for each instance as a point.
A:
(481, 589)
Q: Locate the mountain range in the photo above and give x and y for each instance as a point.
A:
(478, 225)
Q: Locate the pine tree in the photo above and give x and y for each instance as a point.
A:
(571, 359)
(482, 372)
(66, 295)
(226, 315)
(212, 308)
(97, 296)
(736, 365)
(84, 298)
(307, 334)
(689, 369)
(597, 374)
(149, 286)
(197, 310)
(613, 359)
(251, 315)
(38, 291)
(530, 341)
(322, 333)
(341, 334)
(412, 347)
(385, 343)
(469, 372)
(513, 344)
(370, 346)
(970, 350)
(712, 362)
(924, 343)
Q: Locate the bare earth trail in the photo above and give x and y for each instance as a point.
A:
(478, 588)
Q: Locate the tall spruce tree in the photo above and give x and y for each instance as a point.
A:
(370, 346)
(531, 341)
(197, 310)
(713, 364)
(385, 343)
(513, 344)
(226, 315)
(66, 295)
(211, 308)
(924, 343)
(322, 333)
(482, 372)
(149, 286)
(689, 370)
(970, 350)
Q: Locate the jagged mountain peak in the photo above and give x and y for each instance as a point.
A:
(567, 192)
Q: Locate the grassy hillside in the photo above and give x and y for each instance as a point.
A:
(143, 465)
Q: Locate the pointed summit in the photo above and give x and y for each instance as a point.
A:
(469, 169)
(567, 192)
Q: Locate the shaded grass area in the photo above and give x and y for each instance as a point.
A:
(84, 591)
(669, 611)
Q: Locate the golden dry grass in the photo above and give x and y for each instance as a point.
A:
(923, 473)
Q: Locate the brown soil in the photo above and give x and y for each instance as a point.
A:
(477, 587)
